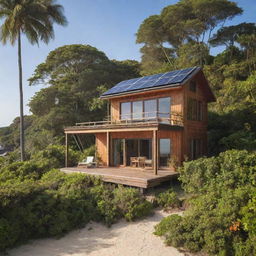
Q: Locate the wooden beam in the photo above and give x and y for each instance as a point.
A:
(74, 131)
(66, 152)
(108, 148)
(124, 153)
(155, 152)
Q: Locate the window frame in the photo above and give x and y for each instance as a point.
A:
(144, 117)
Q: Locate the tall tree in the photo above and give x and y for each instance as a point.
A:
(188, 22)
(34, 19)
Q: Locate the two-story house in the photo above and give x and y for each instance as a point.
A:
(161, 117)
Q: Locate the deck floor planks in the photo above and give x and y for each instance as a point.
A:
(127, 176)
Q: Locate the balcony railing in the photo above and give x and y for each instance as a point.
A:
(145, 118)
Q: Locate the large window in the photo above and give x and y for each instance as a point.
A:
(137, 110)
(164, 151)
(146, 110)
(195, 110)
(150, 109)
(125, 110)
(164, 107)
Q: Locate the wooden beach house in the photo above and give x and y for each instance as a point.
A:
(154, 122)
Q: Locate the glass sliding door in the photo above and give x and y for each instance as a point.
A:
(150, 109)
(118, 156)
(137, 110)
(164, 151)
(138, 147)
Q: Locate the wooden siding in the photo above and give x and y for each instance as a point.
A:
(101, 147)
(175, 94)
(175, 136)
(195, 129)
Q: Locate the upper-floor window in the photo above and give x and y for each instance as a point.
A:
(126, 110)
(192, 86)
(164, 106)
(137, 110)
(150, 108)
(195, 110)
(146, 109)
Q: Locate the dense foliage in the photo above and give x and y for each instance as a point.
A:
(37, 200)
(222, 213)
(182, 36)
(74, 76)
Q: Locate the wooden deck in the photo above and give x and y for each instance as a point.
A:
(135, 177)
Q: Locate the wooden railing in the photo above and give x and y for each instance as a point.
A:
(175, 119)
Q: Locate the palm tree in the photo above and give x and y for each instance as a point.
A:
(34, 19)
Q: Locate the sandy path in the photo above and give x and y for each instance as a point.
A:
(122, 239)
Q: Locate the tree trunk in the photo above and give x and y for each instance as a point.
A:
(22, 140)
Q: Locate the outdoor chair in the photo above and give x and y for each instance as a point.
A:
(148, 163)
(88, 162)
(134, 161)
(141, 161)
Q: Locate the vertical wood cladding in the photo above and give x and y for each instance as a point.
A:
(175, 94)
(195, 129)
(175, 136)
(101, 147)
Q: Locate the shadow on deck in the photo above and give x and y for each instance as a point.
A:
(136, 177)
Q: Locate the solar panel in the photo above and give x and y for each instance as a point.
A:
(177, 79)
(157, 80)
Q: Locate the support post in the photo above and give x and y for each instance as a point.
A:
(124, 153)
(66, 152)
(155, 151)
(108, 149)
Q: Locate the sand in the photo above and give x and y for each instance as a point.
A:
(122, 239)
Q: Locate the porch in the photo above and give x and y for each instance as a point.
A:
(136, 177)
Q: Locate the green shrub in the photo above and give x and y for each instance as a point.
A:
(221, 218)
(54, 157)
(131, 204)
(167, 224)
(52, 203)
(168, 199)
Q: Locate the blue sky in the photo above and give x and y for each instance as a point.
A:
(109, 25)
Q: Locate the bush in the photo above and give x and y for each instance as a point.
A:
(221, 218)
(52, 203)
(131, 204)
(54, 157)
(168, 199)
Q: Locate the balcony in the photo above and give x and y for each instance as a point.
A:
(145, 119)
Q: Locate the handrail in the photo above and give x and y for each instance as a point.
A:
(174, 119)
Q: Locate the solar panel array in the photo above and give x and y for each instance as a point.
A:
(146, 82)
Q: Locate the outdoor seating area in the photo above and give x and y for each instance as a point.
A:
(140, 162)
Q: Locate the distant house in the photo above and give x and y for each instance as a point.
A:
(161, 117)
